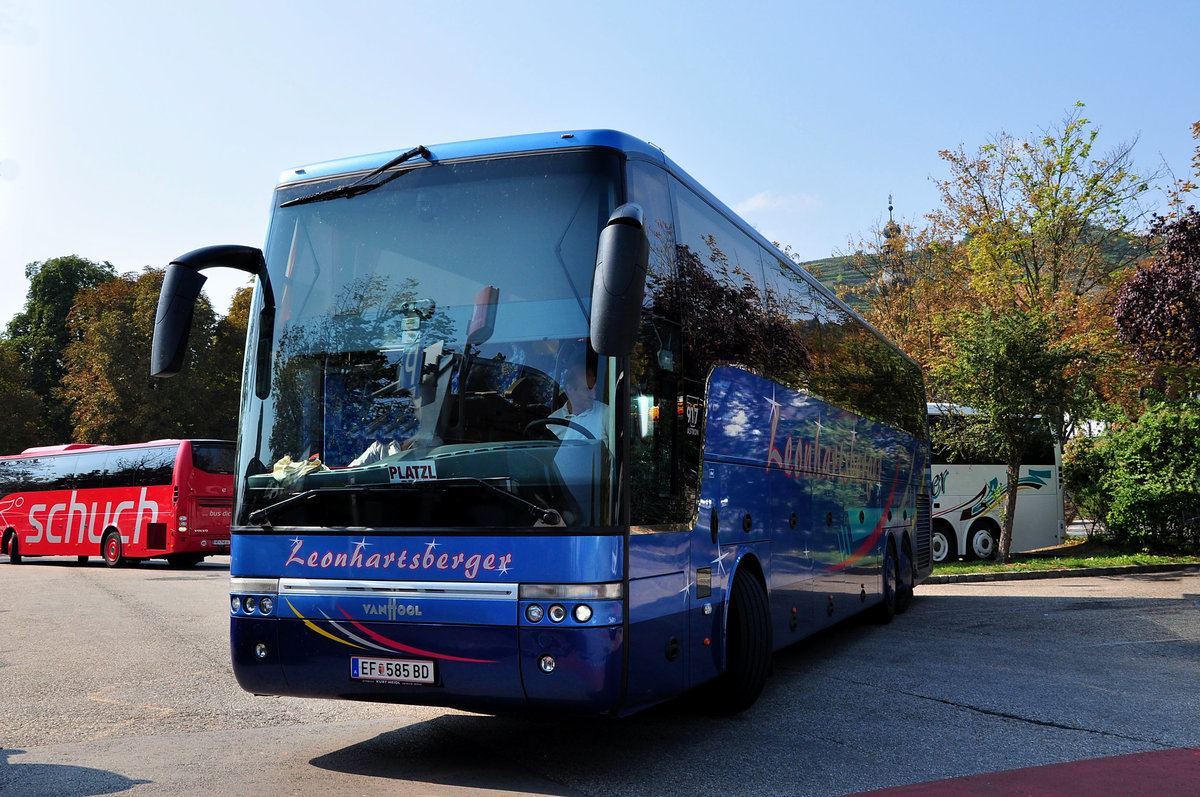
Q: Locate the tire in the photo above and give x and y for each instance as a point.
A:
(907, 571)
(111, 549)
(942, 545)
(981, 542)
(747, 646)
(14, 553)
(891, 585)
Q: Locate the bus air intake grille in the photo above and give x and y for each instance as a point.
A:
(924, 534)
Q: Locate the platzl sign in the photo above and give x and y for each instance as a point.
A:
(412, 472)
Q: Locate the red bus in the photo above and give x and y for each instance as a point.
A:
(166, 499)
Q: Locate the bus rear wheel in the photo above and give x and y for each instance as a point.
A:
(906, 587)
(110, 549)
(891, 585)
(747, 646)
(982, 541)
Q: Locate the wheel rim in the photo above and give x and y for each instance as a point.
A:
(939, 547)
(112, 549)
(982, 544)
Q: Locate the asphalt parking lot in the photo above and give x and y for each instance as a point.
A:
(117, 681)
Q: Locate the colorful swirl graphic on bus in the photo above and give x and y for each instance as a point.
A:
(368, 639)
(994, 492)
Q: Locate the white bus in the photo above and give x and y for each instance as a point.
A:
(969, 492)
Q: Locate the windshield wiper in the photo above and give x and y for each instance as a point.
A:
(262, 517)
(362, 185)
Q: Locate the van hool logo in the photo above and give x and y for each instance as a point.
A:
(392, 610)
(422, 559)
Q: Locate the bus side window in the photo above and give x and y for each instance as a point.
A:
(663, 495)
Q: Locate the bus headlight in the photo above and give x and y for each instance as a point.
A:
(583, 613)
(251, 603)
(534, 613)
(265, 605)
(558, 613)
(235, 604)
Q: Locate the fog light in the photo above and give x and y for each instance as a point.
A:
(546, 664)
(260, 651)
(558, 613)
(583, 613)
(265, 605)
(251, 604)
(534, 613)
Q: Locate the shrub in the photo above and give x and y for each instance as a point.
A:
(1142, 481)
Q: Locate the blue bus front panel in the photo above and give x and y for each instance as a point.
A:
(336, 628)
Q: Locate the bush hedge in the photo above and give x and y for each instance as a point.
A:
(1142, 479)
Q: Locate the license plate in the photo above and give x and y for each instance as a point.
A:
(403, 671)
(220, 543)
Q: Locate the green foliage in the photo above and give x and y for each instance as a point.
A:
(108, 384)
(22, 406)
(1143, 480)
(40, 335)
(1012, 367)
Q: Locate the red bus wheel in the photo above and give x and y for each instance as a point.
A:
(14, 555)
(111, 549)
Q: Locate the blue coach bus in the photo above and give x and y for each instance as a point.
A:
(538, 423)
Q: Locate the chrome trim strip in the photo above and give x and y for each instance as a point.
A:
(239, 585)
(337, 588)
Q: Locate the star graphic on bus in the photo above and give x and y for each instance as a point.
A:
(720, 560)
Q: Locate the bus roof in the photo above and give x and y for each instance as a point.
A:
(533, 142)
(66, 448)
(561, 140)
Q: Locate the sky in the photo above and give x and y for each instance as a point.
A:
(132, 132)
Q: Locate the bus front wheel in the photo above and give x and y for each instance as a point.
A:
(110, 549)
(747, 645)
(14, 554)
(940, 545)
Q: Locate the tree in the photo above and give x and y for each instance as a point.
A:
(222, 365)
(22, 406)
(1013, 368)
(1012, 279)
(40, 334)
(108, 384)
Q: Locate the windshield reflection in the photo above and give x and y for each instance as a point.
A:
(431, 346)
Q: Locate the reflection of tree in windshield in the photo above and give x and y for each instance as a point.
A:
(337, 380)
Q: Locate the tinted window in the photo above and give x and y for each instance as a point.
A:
(90, 470)
(213, 457)
(142, 467)
(664, 419)
(16, 475)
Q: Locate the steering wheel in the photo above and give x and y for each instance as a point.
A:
(567, 422)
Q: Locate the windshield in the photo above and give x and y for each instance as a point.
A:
(430, 365)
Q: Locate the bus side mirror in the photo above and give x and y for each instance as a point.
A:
(619, 286)
(177, 300)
